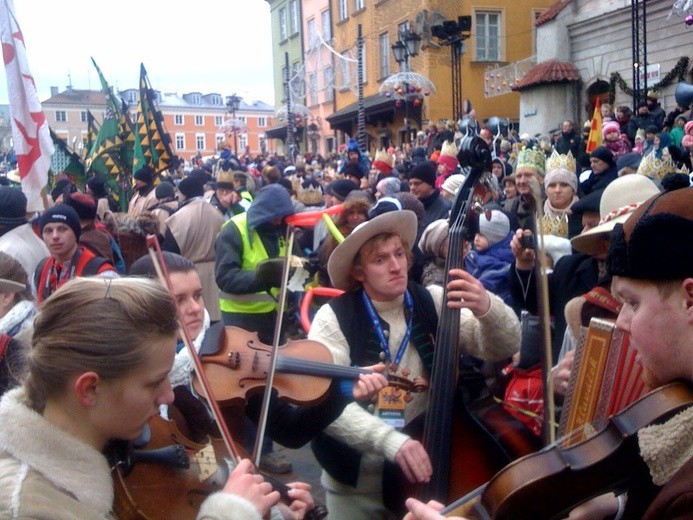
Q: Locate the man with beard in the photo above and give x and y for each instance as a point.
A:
(144, 199)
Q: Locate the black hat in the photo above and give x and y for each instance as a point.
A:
(144, 174)
(84, 205)
(97, 185)
(352, 170)
(12, 206)
(425, 172)
(652, 129)
(164, 190)
(652, 244)
(63, 214)
(341, 188)
(589, 203)
(603, 153)
(191, 187)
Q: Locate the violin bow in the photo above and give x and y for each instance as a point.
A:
(541, 268)
(160, 266)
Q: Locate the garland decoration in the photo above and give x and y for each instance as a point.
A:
(677, 74)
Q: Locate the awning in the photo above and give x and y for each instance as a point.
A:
(279, 132)
(377, 107)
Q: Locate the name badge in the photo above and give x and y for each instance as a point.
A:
(390, 406)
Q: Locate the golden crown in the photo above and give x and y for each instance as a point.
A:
(531, 158)
(558, 161)
(656, 169)
(554, 225)
(449, 148)
(310, 196)
(383, 156)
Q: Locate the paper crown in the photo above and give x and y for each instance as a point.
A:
(449, 148)
(656, 169)
(555, 225)
(531, 158)
(558, 161)
(382, 156)
(310, 196)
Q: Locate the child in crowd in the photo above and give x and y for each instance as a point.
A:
(510, 192)
(614, 141)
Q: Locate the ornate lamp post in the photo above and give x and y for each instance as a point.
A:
(233, 103)
(406, 47)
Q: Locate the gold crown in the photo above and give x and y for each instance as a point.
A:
(558, 161)
(656, 169)
(382, 156)
(531, 158)
(449, 148)
(310, 196)
(554, 225)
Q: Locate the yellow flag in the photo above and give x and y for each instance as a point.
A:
(595, 138)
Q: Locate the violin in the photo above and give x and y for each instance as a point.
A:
(237, 364)
(550, 483)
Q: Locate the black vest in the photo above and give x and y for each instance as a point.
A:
(341, 461)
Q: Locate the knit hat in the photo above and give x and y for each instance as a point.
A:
(433, 237)
(629, 160)
(619, 199)
(191, 187)
(83, 204)
(425, 172)
(63, 214)
(496, 228)
(531, 158)
(352, 170)
(604, 154)
(384, 205)
(561, 168)
(453, 183)
(611, 126)
(12, 206)
(448, 157)
(688, 127)
(341, 188)
(164, 190)
(383, 162)
(144, 174)
(651, 244)
(687, 141)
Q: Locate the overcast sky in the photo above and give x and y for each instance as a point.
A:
(221, 46)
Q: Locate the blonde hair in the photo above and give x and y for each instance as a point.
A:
(95, 324)
(370, 246)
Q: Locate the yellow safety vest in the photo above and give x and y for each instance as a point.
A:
(254, 303)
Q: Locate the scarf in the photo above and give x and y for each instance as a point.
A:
(555, 212)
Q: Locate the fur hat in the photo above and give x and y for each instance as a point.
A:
(425, 172)
(383, 162)
(433, 237)
(63, 214)
(402, 223)
(611, 126)
(619, 199)
(652, 244)
(341, 188)
(83, 204)
(448, 157)
(531, 158)
(604, 154)
(97, 185)
(496, 228)
(12, 206)
(453, 183)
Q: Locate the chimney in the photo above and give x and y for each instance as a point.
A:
(54, 91)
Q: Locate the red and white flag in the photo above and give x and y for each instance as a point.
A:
(30, 135)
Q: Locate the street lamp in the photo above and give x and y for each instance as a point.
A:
(454, 33)
(233, 103)
(406, 47)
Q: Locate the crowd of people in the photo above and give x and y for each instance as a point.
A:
(89, 343)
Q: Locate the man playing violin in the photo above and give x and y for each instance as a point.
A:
(383, 316)
(651, 261)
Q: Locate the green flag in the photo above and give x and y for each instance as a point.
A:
(66, 160)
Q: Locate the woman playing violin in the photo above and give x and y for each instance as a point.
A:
(97, 368)
(651, 260)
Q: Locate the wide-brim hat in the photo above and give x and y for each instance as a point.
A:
(619, 199)
(8, 286)
(402, 222)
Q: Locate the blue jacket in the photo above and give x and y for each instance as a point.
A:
(491, 267)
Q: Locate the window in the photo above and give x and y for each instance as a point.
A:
(346, 71)
(487, 42)
(242, 142)
(261, 122)
(180, 141)
(283, 31)
(132, 97)
(326, 25)
(312, 88)
(310, 34)
(242, 119)
(343, 10)
(178, 119)
(199, 120)
(200, 141)
(83, 116)
(329, 84)
(219, 138)
(218, 120)
(293, 16)
(359, 4)
(384, 45)
(195, 99)
(61, 116)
